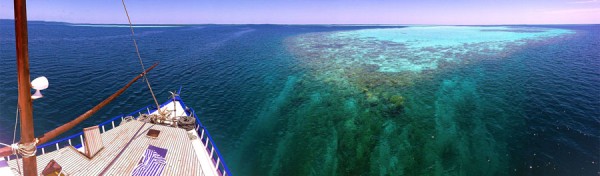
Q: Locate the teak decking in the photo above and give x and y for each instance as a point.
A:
(181, 158)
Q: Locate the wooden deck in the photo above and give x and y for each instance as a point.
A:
(181, 159)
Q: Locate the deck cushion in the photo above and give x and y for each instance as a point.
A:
(152, 163)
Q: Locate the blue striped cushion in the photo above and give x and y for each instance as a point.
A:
(152, 163)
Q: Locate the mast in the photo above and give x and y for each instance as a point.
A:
(6, 151)
(27, 136)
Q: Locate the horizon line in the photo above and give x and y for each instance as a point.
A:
(355, 24)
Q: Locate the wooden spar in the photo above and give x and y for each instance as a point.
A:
(66, 127)
(27, 135)
(57, 131)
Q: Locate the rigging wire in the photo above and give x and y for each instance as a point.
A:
(14, 146)
(16, 123)
(15, 137)
(139, 56)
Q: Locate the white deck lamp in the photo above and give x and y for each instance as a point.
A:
(38, 84)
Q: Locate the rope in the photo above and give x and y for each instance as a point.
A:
(15, 146)
(28, 149)
(139, 56)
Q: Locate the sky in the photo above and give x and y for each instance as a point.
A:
(445, 12)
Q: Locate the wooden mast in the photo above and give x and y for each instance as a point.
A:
(65, 127)
(25, 102)
(27, 135)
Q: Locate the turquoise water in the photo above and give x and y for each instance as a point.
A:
(447, 36)
(419, 48)
(340, 100)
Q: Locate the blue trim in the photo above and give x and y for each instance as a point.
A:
(76, 135)
(111, 120)
(135, 112)
(183, 105)
(162, 105)
(197, 119)
(224, 169)
(59, 140)
(177, 98)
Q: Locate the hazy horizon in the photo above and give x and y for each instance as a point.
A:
(166, 24)
(427, 12)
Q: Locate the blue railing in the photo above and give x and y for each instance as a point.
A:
(72, 139)
(211, 148)
(205, 137)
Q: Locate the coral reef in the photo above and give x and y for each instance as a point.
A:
(356, 111)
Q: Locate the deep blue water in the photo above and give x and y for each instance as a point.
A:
(541, 104)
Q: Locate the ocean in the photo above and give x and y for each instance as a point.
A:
(338, 100)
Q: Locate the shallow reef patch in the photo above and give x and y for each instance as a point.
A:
(372, 102)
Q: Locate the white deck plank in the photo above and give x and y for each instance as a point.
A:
(180, 149)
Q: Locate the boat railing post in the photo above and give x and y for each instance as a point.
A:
(70, 142)
(113, 124)
(43, 151)
(57, 147)
(217, 165)
(81, 138)
(148, 109)
(202, 136)
(103, 129)
(212, 150)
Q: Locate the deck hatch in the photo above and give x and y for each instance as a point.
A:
(152, 133)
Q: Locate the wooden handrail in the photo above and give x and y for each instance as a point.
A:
(6, 151)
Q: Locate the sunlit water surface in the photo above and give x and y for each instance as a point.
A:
(339, 100)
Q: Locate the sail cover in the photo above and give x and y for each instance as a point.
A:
(152, 163)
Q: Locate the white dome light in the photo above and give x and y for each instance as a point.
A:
(38, 84)
(37, 95)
